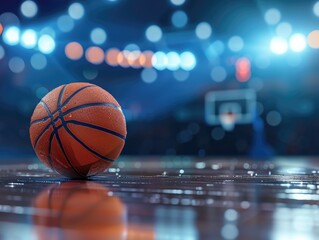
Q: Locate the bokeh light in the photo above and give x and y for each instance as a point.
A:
(90, 74)
(181, 75)
(148, 75)
(29, 38)
(122, 59)
(278, 45)
(188, 61)
(65, 23)
(173, 61)
(11, 36)
(284, 29)
(272, 16)
(215, 49)
(133, 58)
(203, 30)
(132, 47)
(297, 42)
(146, 59)
(98, 36)
(236, 44)
(76, 11)
(29, 9)
(16, 64)
(316, 9)
(1, 28)
(218, 74)
(2, 52)
(313, 39)
(8, 19)
(218, 133)
(40, 92)
(243, 69)
(153, 33)
(179, 19)
(38, 61)
(94, 55)
(48, 31)
(273, 118)
(159, 60)
(178, 2)
(74, 50)
(46, 44)
(111, 56)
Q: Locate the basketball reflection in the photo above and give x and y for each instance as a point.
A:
(79, 210)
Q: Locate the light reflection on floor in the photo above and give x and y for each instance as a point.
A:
(153, 199)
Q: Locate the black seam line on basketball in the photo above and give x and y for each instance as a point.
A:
(64, 103)
(71, 110)
(58, 137)
(84, 145)
(39, 120)
(57, 133)
(97, 128)
(75, 93)
(96, 104)
(60, 97)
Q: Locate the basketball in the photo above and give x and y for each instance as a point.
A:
(78, 130)
(79, 210)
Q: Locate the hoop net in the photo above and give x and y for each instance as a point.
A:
(228, 120)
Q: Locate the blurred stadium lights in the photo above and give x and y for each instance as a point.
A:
(76, 11)
(111, 57)
(74, 50)
(218, 74)
(215, 49)
(243, 69)
(188, 61)
(179, 19)
(29, 9)
(177, 2)
(48, 31)
(180, 75)
(38, 61)
(2, 52)
(9, 19)
(173, 61)
(11, 36)
(235, 43)
(159, 60)
(272, 16)
(153, 33)
(284, 29)
(46, 44)
(94, 55)
(132, 47)
(65, 23)
(149, 75)
(316, 9)
(278, 45)
(98, 36)
(16, 64)
(203, 30)
(29, 39)
(297, 42)
(313, 39)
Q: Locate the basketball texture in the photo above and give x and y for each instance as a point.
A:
(78, 130)
(79, 210)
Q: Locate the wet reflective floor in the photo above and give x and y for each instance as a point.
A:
(164, 198)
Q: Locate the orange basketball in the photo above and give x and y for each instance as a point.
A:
(78, 130)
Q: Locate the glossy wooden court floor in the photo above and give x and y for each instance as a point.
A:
(164, 198)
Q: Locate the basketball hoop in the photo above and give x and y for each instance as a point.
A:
(228, 120)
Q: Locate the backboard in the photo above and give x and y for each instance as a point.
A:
(230, 107)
